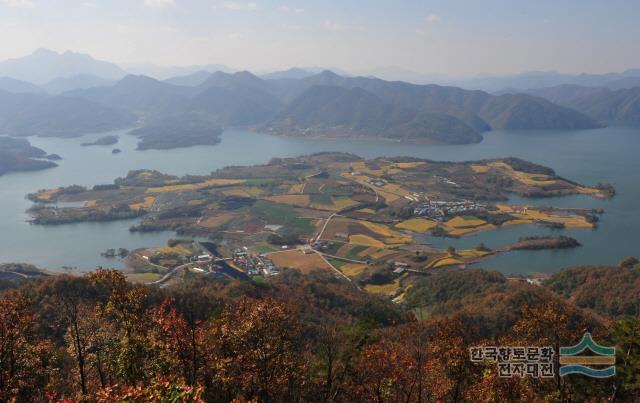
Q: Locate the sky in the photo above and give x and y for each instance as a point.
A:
(448, 37)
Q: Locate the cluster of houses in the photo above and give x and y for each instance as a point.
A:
(252, 264)
(376, 182)
(439, 210)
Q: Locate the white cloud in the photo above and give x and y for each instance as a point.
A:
(90, 4)
(288, 9)
(159, 3)
(432, 18)
(235, 6)
(234, 35)
(17, 3)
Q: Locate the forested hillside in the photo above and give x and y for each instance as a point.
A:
(308, 338)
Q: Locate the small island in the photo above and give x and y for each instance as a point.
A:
(545, 242)
(102, 141)
(18, 155)
(176, 132)
(116, 151)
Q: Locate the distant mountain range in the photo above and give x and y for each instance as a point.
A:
(543, 79)
(607, 106)
(85, 97)
(45, 65)
(323, 105)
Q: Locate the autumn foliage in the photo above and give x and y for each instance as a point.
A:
(297, 339)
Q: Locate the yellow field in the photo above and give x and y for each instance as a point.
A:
(382, 253)
(352, 269)
(298, 188)
(589, 191)
(391, 237)
(523, 177)
(404, 165)
(366, 211)
(194, 186)
(365, 240)
(385, 289)
(369, 251)
(216, 221)
(90, 203)
(291, 199)
(378, 228)
(417, 224)
(390, 192)
(461, 222)
(471, 253)
(447, 261)
(572, 221)
(500, 165)
(179, 249)
(295, 259)
(146, 204)
(480, 169)
(344, 202)
(471, 230)
(46, 194)
(236, 192)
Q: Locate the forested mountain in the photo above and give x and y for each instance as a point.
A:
(18, 86)
(342, 112)
(607, 106)
(58, 116)
(139, 94)
(81, 81)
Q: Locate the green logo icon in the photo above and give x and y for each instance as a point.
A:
(572, 363)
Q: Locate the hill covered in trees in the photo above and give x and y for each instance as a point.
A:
(19, 155)
(310, 337)
(608, 106)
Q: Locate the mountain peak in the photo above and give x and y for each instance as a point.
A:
(44, 65)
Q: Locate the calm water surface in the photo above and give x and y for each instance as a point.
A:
(604, 155)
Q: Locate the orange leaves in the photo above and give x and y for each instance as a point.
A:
(161, 390)
(259, 354)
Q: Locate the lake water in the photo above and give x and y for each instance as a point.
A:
(603, 155)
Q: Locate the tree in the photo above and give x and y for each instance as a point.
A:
(259, 353)
(178, 343)
(23, 358)
(626, 335)
(125, 305)
(161, 390)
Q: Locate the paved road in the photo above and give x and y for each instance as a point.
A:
(170, 274)
(325, 226)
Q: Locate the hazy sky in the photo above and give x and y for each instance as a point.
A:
(453, 37)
